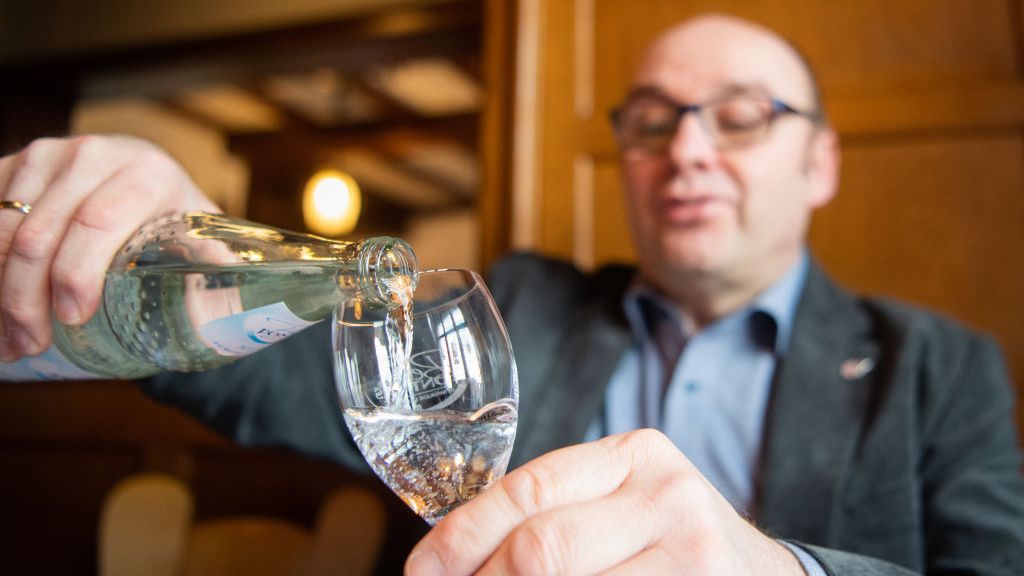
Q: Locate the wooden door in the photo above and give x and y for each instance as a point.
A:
(927, 97)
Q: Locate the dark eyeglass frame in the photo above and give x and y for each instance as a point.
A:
(777, 109)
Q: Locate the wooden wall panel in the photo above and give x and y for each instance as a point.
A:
(936, 221)
(886, 67)
(863, 46)
(610, 236)
(929, 102)
(555, 155)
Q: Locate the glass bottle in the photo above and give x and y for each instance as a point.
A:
(199, 290)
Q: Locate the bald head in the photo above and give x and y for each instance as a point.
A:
(720, 188)
(721, 53)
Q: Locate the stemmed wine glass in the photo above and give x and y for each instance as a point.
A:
(433, 411)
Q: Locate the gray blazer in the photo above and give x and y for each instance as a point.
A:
(904, 463)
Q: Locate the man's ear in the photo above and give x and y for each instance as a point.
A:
(823, 161)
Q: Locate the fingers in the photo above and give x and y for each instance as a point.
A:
(149, 185)
(470, 534)
(24, 177)
(9, 221)
(89, 194)
(652, 561)
(94, 234)
(579, 474)
(584, 539)
(628, 504)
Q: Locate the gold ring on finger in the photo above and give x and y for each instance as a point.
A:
(15, 205)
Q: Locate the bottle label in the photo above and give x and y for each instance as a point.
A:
(50, 365)
(251, 331)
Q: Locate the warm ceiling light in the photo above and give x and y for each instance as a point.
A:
(331, 203)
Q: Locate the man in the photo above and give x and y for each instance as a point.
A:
(863, 437)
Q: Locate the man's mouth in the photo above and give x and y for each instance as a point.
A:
(691, 210)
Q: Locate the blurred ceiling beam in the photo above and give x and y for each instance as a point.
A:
(234, 109)
(456, 197)
(389, 138)
(304, 147)
(55, 29)
(281, 158)
(389, 106)
(449, 30)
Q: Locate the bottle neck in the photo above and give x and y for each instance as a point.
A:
(385, 265)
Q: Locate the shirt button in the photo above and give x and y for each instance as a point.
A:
(691, 387)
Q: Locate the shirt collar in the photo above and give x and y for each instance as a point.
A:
(779, 301)
(777, 304)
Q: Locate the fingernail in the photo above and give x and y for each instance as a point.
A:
(23, 342)
(424, 563)
(67, 309)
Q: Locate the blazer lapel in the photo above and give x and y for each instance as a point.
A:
(818, 405)
(570, 395)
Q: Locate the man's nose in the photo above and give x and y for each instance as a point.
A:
(692, 146)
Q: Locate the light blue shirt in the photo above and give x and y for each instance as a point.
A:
(715, 400)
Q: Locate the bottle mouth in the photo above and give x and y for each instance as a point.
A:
(386, 265)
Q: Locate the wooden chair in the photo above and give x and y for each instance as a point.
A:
(146, 528)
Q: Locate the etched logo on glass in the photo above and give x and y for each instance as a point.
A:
(430, 385)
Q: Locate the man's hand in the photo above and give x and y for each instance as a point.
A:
(627, 504)
(88, 195)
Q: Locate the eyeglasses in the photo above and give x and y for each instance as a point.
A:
(648, 122)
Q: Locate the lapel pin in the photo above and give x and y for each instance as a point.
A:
(856, 368)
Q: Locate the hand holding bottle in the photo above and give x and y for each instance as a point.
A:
(88, 195)
(117, 226)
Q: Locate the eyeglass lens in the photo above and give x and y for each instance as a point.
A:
(650, 124)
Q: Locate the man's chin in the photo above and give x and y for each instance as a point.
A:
(696, 253)
(681, 264)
